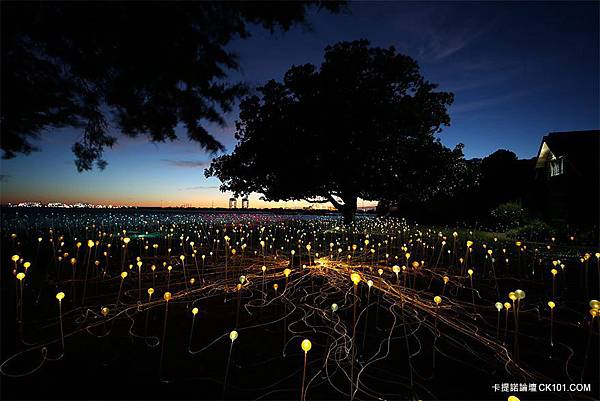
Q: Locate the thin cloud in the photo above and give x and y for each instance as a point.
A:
(199, 187)
(474, 105)
(185, 163)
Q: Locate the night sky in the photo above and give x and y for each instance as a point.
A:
(518, 71)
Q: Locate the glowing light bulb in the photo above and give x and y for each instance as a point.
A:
(123, 275)
(334, 307)
(437, 299)
(60, 296)
(195, 311)
(167, 296)
(306, 345)
(551, 304)
(233, 335)
(355, 277)
(498, 306)
(150, 291)
(20, 276)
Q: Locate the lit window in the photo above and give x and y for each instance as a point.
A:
(556, 167)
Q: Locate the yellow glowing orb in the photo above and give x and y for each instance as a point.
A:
(21, 275)
(104, 311)
(498, 306)
(355, 277)
(551, 304)
(306, 345)
(287, 272)
(195, 311)
(60, 296)
(123, 275)
(150, 291)
(437, 299)
(167, 296)
(595, 304)
(512, 296)
(233, 335)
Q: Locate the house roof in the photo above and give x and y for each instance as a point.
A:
(581, 148)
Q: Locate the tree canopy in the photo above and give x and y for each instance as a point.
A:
(363, 125)
(146, 68)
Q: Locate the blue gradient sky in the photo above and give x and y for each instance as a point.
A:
(518, 71)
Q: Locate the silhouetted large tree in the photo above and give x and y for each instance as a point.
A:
(148, 67)
(363, 125)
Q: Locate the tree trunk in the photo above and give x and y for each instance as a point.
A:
(349, 209)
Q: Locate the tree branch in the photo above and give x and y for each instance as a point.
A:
(334, 202)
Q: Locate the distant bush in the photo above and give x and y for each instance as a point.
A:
(508, 215)
(535, 230)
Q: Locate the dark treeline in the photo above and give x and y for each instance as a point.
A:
(499, 182)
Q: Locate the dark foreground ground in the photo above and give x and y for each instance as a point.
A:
(118, 356)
